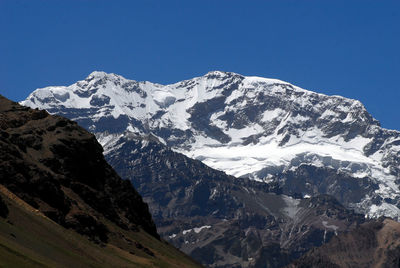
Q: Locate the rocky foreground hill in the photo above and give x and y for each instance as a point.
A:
(63, 205)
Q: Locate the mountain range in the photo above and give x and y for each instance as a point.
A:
(239, 171)
(263, 129)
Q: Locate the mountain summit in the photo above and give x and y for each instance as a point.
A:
(264, 129)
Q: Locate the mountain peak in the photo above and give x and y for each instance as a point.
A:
(100, 75)
(220, 74)
(97, 74)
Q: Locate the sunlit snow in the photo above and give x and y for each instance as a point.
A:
(270, 147)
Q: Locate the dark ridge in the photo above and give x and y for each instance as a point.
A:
(58, 167)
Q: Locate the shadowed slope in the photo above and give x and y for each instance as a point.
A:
(57, 171)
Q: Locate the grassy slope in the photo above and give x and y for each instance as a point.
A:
(29, 239)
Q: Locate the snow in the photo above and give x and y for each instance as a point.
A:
(238, 160)
(251, 80)
(199, 229)
(97, 74)
(386, 209)
(330, 226)
(196, 229)
(172, 236)
(218, 123)
(328, 113)
(238, 134)
(349, 118)
(163, 98)
(109, 142)
(260, 159)
(273, 114)
(186, 231)
(234, 95)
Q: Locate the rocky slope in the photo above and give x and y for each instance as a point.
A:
(57, 171)
(264, 129)
(220, 220)
(373, 244)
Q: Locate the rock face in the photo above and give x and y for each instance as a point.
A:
(223, 221)
(58, 168)
(373, 244)
(263, 129)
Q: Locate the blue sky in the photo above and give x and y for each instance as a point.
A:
(348, 48)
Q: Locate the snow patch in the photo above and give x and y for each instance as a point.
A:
(196, 229)
(332, 226)
(386, 209)
(163, 98)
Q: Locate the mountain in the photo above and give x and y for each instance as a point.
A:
(223, 221)
(239, 171)
(263, 129)
(373, 244)
(63, 205)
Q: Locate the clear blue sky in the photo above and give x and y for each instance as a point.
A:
(348, 48)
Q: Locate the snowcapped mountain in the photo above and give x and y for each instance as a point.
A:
(264, 129)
